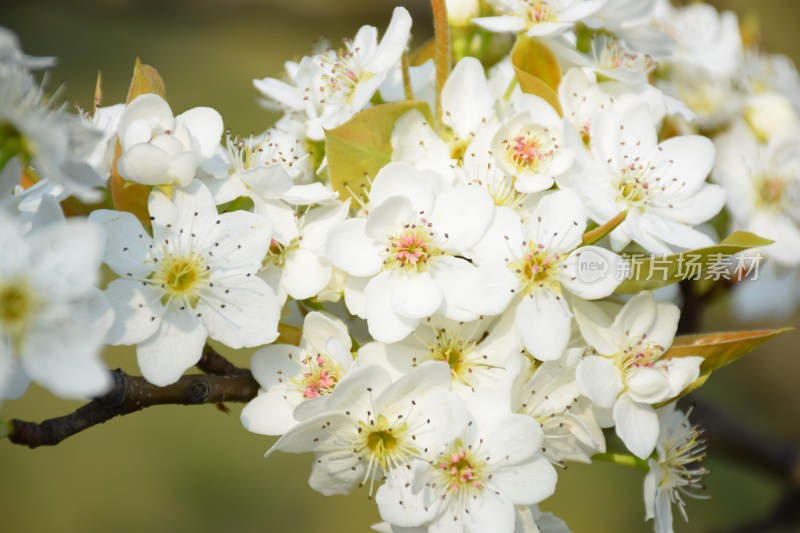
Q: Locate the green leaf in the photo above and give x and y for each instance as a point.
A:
(537, 70)
(718, 349)
(145, 80)
(360, 147)
(693, 264)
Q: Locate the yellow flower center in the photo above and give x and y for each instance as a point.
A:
(386, 444)
(18, 304)
(538, 268)
(182, 277)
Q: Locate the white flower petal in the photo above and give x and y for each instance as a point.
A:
(637, 426)
(592, 272)
(527, 483)
(350, 249)
(648, 385)
(385, 325)
(306, 274)
(269, 413)
(205, 126)
(402, 179)
(176, 347)
(462, 215)
(558, 222)
(416, 295)
(240, 312)
(466, 99)
(599, 380)
(543, 321)
(127, 243)
(144, 163)
(65, 258)
(137, 311)
(393, 43)
(503, 23)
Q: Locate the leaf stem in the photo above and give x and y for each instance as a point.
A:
(623, 459)
(441, 52)
(591, 237)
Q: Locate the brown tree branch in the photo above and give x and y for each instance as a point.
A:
(211, 362)
(134, 393)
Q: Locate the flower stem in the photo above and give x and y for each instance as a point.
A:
(622, 459)
(591, 237)
(406, 69)
(441, 53)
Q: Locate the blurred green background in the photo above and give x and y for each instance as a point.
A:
(194, 468)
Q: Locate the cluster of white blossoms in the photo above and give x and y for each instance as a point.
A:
(453, 264)
(748, 103)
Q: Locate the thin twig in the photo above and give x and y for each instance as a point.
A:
(131, 394)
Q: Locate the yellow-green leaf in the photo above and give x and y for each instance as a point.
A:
(718, 349)
(288, 334)
(145, 80)
(360, 147)
(127, 195)
(537, 70)
(693, 264)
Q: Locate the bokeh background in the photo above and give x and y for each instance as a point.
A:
(172, 469)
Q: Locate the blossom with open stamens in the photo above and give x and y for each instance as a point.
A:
(661, 185)
(193, 279)
(371, 428)
(409, 249)
(676, 470)
(535, 266)
(629, 372)
(474, 481)
(290, 376)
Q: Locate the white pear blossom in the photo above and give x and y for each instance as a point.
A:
(299, 96)
(538, 18)
(52, 143)
(763, 186)
(52, 317)
(538, 264)
(372, 429)
(468, 110)
(106, 120)
(661, 186)
(705, 38)
(629, 373)
(160, 149)
(675, 470)
(328, 88)
(291, 375)
(407, 250)
(274, 172)
(300, 269)
(530, 146)
(193, 279)
(552, 397)
(474, 481)
(483, 354)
